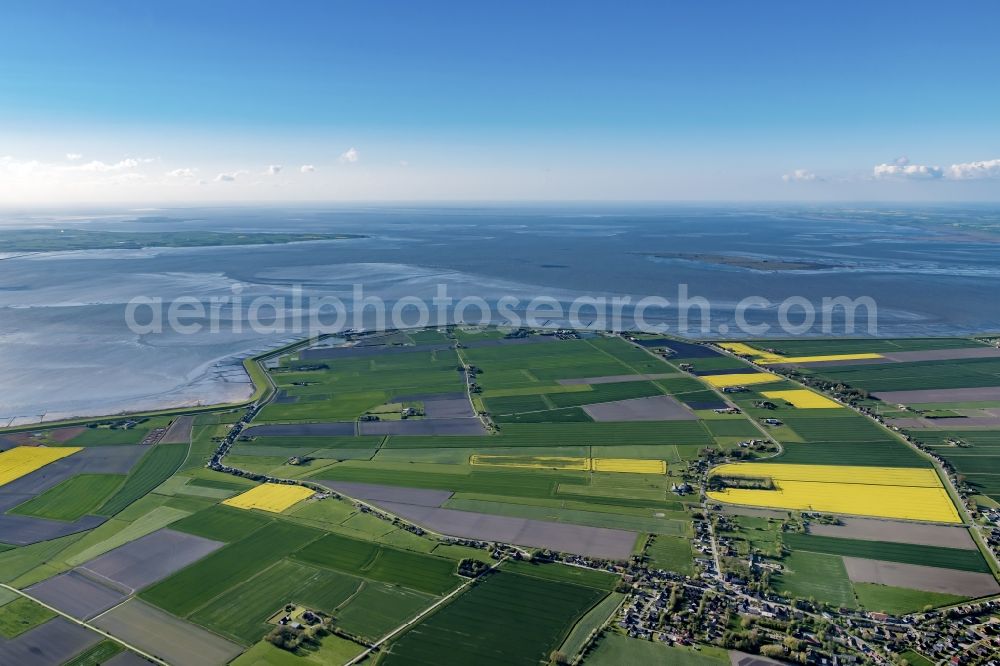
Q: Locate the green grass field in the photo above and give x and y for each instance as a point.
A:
(20, 615)
(685, 385)
(345, 390)
(312, 443)
(478, 627)
(379, 608)
(222, 523)
(757, 533)
(591, 622)
(615, 649)
(73, 498)
(638, 360)
(672, 553)
(336, 552)
(605, 393)
(604, 434)
(611, 500)
(202, 445)
(332, 650)
(154, 468)
(222, 482)
(601, 580)
(187, 590)
(816, 576)
(886, 453)
(707, 363)
(974, 461)
(955, 373)
(837, 437)
(570, 434)
(698, 398)
(898, 600)
(562, 415)
(604, 490)
(931, 556)
(242, 612)
(97, 655)
(428, 336)
(433, 575)
(537, 483)
(842, 426)
(535, 390)
(737, 427)
(915, 658)
(424, 573)
(545, 362)
(18, 561)
(518, 403)
(979, 464)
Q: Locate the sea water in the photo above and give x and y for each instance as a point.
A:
(65, 348)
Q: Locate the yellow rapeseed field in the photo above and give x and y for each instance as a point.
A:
(766, 357)
(22, 460)
(273, 497)
(722, 381)
(876, 476)
(817, 359)
(740, 348)
(882, 492)
(579, 464)
(746, 350)
(803, 399)
(630, 465)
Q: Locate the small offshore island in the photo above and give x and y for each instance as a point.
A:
(606, 498)
(751, 263)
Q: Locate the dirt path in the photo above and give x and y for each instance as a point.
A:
(422, 614)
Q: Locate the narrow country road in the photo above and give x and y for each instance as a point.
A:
(82, 623)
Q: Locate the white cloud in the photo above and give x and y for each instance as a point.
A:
(274, 169)
(182, 173)
(404, 163)
(350, 156)
(307, 168)
(21, 168)
(908, 171)
(800, 176)
(103, 167)
(123, 178)
(975, 170)
(229, 177)
(902, 169)
(47, 179)
(73, 157)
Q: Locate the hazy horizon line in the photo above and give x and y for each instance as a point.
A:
(141, 206)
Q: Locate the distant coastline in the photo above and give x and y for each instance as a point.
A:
(22, 242)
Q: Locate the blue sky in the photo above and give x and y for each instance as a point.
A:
(125, 101)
